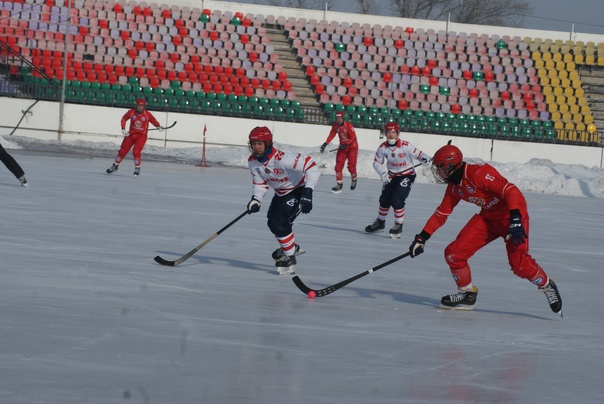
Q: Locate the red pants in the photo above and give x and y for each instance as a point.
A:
(479, 232)
(138, 141)
(351, 153)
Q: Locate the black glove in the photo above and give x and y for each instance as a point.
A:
(343, 146)
(516, 231)
(253, 206)
(417, 247)
(306, 200)
(323, 146)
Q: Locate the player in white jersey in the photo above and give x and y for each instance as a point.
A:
(394, 163)
(293, 176)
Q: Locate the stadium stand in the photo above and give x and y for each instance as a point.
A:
(211, 62)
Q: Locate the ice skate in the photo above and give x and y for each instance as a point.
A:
(553, 297)
(463, 300)
(111, 169)
(353, 184)
(396, 230)
(287, 265)
(23, 181)
(137, 171)
(376, 227)
(337, 189)
(278, 254)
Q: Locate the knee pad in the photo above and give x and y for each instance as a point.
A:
(279, 227)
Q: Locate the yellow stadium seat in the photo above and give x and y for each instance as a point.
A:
(552, 73)
(568, 57)
(536, 55)
(558, 124)
(567, 116)
(578, 118)
(565, 83)
(554, 81)
(589, 60)
(546, 55)
(580, 126)
(539, 64)
(588, 119)
(569, 126)
(549, 65)
(552, 106)
(579, 58)
(570, 66)
(545, 81)
(585, 110)
(556, 55)
(601, 61)
(556, 116)
(547, 90)
(561, 66)
(563, 108)
(573, 75)
(581, 101)
(542, 73)
(579, 92)
(574, 109)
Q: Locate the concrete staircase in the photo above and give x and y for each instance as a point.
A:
(295, 72)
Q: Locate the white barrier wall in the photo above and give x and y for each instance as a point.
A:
(102, 124)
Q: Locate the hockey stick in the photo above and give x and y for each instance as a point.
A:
(185, 257)
(330, 289)
(167, 127)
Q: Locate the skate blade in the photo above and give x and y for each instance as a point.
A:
(395, 236)
(286, 270)
(373, 232)
(336, 192)
(459, 307)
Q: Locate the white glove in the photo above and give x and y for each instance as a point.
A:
(425, 161)
(160, 128)
(385, 178)
(125, 132)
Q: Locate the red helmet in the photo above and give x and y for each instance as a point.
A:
(449, 158)
(392, 126)
(263, 134)
(340, 114)
(141, 101)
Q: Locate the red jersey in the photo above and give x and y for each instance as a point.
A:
(139, 123)
(345, 132)
(483, 186)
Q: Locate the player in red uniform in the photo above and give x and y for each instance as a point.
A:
(136, 136)
(348, 149)
(503, 213)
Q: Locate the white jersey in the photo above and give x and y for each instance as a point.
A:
(398, 158)
(284, 172)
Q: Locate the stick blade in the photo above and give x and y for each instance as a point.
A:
(303, 288)
(164, 262)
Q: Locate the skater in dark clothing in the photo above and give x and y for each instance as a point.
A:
(13, 166)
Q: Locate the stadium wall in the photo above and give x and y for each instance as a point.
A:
(102, 124)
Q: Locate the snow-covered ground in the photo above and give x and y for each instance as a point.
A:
(87, 316)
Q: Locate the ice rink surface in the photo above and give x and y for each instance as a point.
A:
(87, 316)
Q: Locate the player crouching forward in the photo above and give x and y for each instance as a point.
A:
(293, 176)
(398, 175)
(503, 213)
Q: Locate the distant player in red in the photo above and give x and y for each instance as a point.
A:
(348, 149)
(503, 213)
(136, 136)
